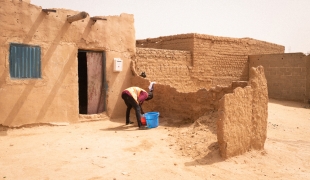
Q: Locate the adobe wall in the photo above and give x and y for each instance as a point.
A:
(308, 77)
(224, 59)
(54, 97)
(242, 120)
(181, 105)
(27, 1)
(170, 67)
(287, 75)
(182, 42)
(215, 60)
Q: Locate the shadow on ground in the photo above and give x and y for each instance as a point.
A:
(212, 157)
(121, 128)
(294, 104)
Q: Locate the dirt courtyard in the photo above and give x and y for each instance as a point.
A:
(110, 150)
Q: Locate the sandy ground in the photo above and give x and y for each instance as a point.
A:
(108, 149)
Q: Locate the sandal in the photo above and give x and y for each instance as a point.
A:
(130, 122)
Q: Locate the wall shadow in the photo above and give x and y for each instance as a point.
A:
(34, 27)
(19, 103)
(206, 122)
(26, 40)
(70, 62)
(87, 30)
(25, 93)
(295, 104)
(3, 130)
(212, 157)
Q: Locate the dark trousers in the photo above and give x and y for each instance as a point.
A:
(131, 103)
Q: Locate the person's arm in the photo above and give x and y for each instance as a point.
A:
(151, 86)
(142, 97)
(142, 112)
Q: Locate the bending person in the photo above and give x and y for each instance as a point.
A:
(134, 98)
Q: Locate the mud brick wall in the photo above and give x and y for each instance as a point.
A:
(54, 97)
(287, 75)
(308, 77)
(260, 100)
(170, 67)
(183, 42)
(215, 60)
(180, 105)
(224, 59)
(242, 121)
(234, 122)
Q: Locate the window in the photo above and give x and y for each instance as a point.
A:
(25, 61)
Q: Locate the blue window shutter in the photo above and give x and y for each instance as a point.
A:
(25, 61)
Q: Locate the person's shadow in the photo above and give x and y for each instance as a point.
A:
(121, 128)
(3, 131)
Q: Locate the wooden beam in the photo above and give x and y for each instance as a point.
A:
(79, 16)
(48, 10)
(95, 18)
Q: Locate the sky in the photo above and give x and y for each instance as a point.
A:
(283, 22)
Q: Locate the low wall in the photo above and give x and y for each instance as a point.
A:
(308, 78)
(242, 107)
(287, 75)
(242, 121)
(184, 106)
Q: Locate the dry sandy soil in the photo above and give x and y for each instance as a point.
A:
(107, 149)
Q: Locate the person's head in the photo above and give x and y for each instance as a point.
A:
(149, 96)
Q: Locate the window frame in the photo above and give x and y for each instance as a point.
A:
(25, 61)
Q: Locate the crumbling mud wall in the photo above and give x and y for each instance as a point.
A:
(180, 105)
(54, 96)
(242, 121)
(259, 106)
(215, 60)
(287, 74)
(308, 78)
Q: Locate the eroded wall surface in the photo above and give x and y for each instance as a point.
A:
(180, 105)
(260, 99)
(54, 97)
(287, 74)
(242, 121)
(215, 60)
(308, 77)
(234, 127)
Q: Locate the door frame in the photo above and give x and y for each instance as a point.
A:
(104, 88)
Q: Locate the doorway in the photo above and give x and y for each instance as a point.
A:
(91, 79)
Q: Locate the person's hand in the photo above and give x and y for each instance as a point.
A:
(151, 86)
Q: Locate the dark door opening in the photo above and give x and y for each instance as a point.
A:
(91, 70)
(82, 73)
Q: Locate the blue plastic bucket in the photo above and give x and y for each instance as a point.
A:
(152, 119)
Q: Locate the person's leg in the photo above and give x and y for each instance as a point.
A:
(129, 106)
(127, 115)
(138, 114)
(132, 103)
